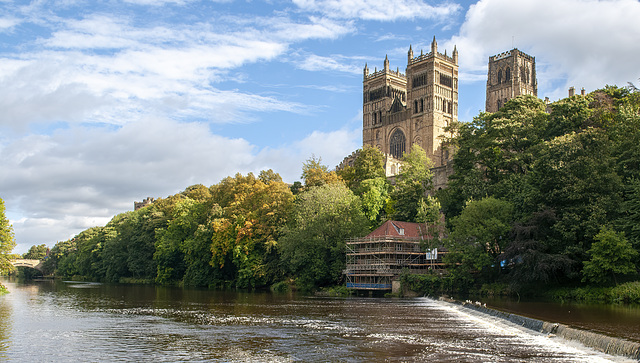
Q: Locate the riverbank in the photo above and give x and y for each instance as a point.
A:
(436, 285)
(600, 342)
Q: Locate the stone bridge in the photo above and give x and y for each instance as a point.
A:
(21, 262)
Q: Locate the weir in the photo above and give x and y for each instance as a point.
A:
(600, 342)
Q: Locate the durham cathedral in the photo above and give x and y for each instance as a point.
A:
(400, 110)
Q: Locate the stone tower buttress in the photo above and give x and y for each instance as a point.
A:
(510, 74)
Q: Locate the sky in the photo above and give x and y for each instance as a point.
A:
(107, 102)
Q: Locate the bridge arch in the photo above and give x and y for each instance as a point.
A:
(23, 262)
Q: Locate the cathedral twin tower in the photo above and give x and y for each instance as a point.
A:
(415, 108)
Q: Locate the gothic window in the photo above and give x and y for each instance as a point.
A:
(374, 118)
(444, 106)
(415, 106)
(527, 74)
(523, 75)
(377, 135)
(507, 75)
(499, 105)
(397, 144)
(421, 105)
(449, 107)
(500, 76)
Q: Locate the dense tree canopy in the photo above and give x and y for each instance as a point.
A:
(566, 172)
(313, 242)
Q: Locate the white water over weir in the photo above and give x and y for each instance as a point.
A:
(600, 342)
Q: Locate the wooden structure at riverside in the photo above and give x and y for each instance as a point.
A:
(375, 261)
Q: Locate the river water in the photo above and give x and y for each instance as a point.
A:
(55, 321)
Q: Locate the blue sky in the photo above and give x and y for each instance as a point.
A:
(107, 102)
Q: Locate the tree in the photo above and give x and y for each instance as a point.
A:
(7, 242)
(36, 252)
(480, 234)
(409, 195)
(315, 174)
(244, 241)
(611, 255)
(312, 245)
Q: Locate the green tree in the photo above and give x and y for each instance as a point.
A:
(313, 241)
(415, 180)
(610, 255)
(480, 234)
(574, 175)
(36, 252)
(7, 242)
(374, 194)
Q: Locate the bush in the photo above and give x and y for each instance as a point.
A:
(281, 287)
(627, 293)
(3, 290)
(425, 284)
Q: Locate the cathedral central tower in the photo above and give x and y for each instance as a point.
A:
(413, 108)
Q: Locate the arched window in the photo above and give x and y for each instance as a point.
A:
(415, 106)
(397, 144)
(523, 75)
(507, 75)
(499, 76)
(374, 117)
(421, 104)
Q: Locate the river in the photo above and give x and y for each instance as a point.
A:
(56, 321)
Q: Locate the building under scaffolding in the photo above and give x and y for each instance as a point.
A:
(376, 260)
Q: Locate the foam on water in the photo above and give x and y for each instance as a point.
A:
(506, 330)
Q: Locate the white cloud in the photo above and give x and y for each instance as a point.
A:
(313, 62)
(381, 10)
(103, 69)
(8, 23)
(60, 184)
(576, 42)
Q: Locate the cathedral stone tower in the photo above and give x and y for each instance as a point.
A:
(511, 74)
(400, 110)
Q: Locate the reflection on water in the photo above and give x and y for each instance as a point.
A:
(58, 321)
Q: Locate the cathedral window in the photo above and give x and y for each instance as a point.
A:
(507, 75)
(499, 76)
(415, 106)
(374, 118)
(397, 144)
(421, 104)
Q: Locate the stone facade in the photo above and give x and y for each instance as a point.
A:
(511, 74)
(145, 202)
(413, 108)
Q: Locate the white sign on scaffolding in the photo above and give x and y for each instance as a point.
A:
(433, 254)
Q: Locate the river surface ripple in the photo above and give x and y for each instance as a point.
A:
(88, 322)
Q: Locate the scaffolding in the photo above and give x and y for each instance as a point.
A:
(374, 262)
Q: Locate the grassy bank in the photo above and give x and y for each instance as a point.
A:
(627, 293)
(436, 285)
